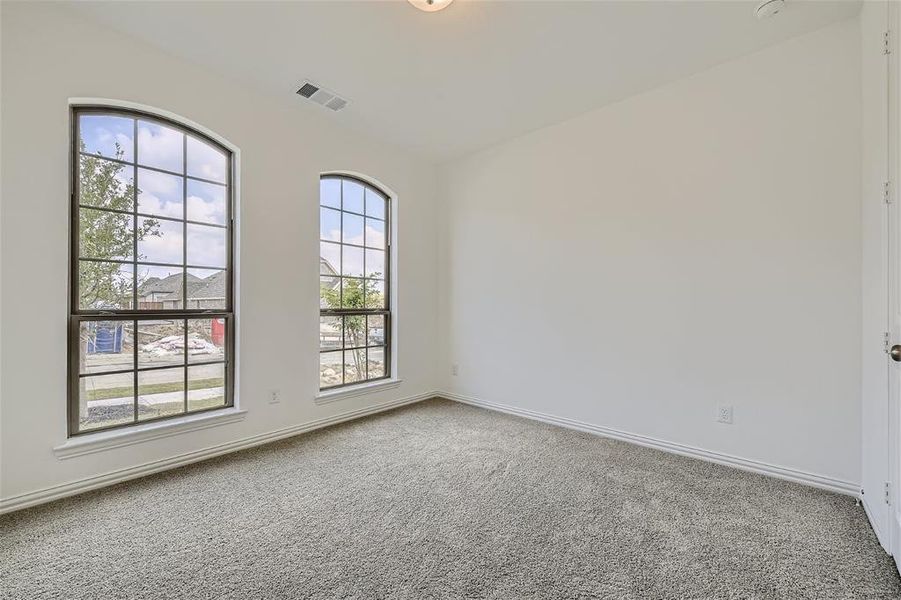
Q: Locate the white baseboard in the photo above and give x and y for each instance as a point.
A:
(56, 492)
(812, 479)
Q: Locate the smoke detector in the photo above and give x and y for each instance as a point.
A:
(322, 96)
(769, 8)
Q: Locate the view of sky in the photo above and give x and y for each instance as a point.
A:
(163, 194)
(349, 228)
(353, 233)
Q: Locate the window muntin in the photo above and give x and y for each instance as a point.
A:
(354, 276)
(151, 331)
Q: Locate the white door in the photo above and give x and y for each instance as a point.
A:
(891, 494)
(893, 217)
(877, 216)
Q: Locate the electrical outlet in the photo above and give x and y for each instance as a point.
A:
(275, 397)
(724, 414)
(455, 369)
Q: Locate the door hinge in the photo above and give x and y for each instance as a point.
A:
(887, 192)
(888, 492)
(887, 42)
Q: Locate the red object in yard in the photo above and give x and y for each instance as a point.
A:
(217, 332)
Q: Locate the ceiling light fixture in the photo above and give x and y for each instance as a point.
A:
(769, 8)
(430, 5)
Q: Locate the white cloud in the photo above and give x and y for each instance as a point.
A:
(160, 147)
(334, 235)
(206, 246)
(100, 134)
(165, 247)
(207, 211)
(160, 194)
(206, 202)
(205, 161)
(352, 261)
(373, 234)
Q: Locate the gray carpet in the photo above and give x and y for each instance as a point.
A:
(442, 500)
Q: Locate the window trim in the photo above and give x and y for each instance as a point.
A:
(389, 312)
(357, 388)
(146, 431)
(77, 315)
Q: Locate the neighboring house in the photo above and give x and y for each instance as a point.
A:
(329, 335)
(157, 293)
(326, 268)
(328, 279)
(166, 292)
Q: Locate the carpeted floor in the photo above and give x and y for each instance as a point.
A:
(442, 500)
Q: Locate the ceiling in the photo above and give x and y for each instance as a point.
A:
(447, 83)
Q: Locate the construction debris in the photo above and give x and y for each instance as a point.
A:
(175, 344)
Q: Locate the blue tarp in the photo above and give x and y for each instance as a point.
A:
(106, 338)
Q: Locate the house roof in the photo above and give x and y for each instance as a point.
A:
(169, 288)
(170, 284)
(210, 287)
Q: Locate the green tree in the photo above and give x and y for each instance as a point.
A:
(105, 235)
(358, 294)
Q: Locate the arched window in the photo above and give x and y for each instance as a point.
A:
(151, 321)
(354, 278)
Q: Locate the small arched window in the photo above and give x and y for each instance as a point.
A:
(151, 321)
(354, 282)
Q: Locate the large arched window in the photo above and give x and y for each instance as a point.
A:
(354, 276)
(151, 321)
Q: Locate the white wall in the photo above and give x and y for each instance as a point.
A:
(694, 245)
(50, 55)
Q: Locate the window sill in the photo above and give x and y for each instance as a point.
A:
(107, 440)
(357, 390)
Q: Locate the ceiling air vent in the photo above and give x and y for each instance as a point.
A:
(336, 103)
(321, 96)
(307, 90)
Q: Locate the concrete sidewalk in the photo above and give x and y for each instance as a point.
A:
(163, 398)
